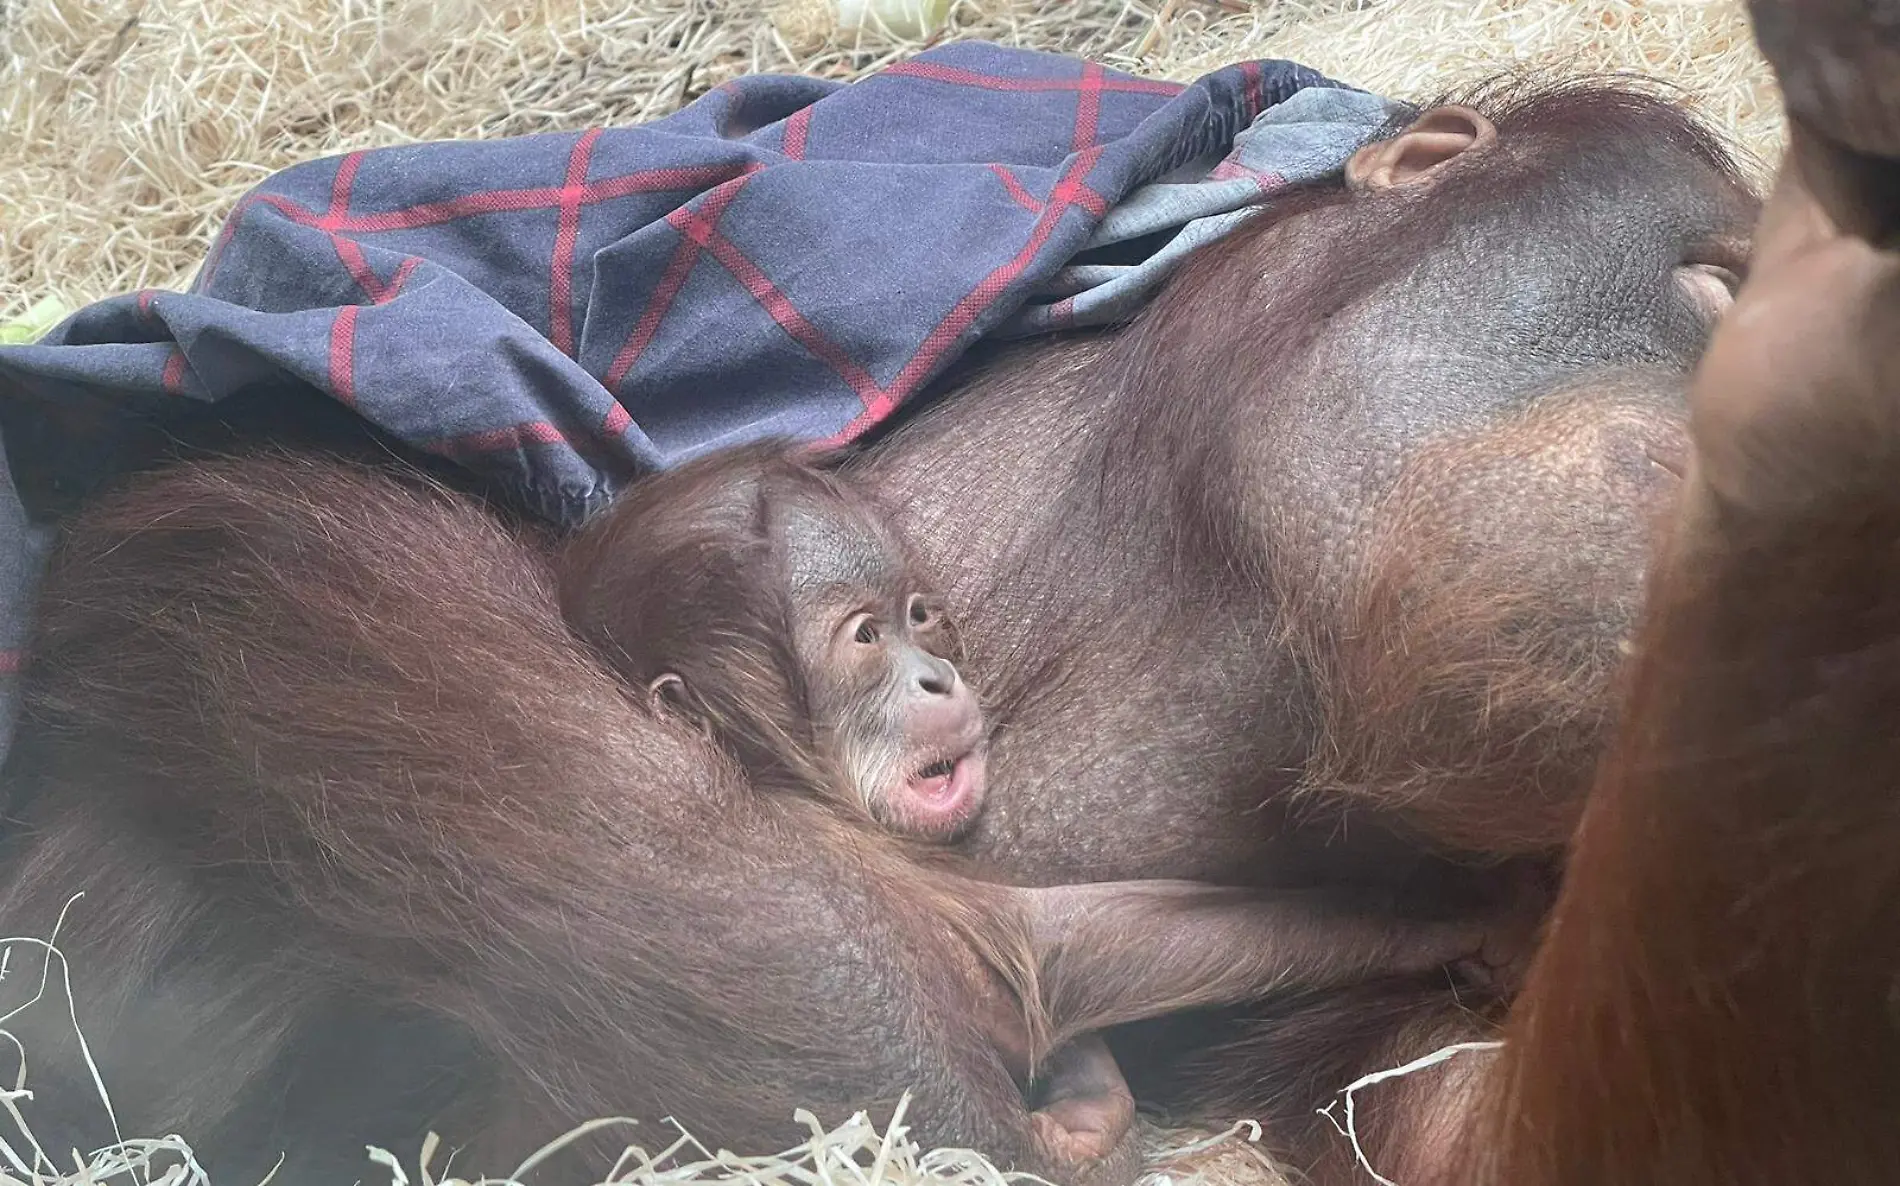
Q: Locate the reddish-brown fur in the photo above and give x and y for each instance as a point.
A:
(1370, 581)
(687, 573)
(1718, 1000)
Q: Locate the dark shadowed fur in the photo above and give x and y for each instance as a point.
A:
(1718, 1000)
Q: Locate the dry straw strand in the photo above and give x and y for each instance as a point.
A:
(1346, 1101)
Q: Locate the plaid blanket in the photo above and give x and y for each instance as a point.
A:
(784, 256)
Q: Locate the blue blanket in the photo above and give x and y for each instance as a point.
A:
(785, 256)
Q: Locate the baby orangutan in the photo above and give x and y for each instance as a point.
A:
(775, 606)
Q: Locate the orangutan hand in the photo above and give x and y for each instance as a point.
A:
(1838, 63)
(1797, 404)
(1086, 1112)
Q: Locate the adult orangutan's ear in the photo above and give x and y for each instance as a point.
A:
(1415, 155)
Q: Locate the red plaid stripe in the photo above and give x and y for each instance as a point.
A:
(574, 431)
(1229, 170)
(713, 208)
(775, 303)
(700, 230)
(1017, 193)
(496, 201)
(1256, 82)
(700, 234)
(172, 378)
(797, 127)
(1088, 107)
(543, 197)
(340, 191)
(515, 436)
(1070, 192)
(343, 329)
(567, 231)
(569, 199)
(343, 354)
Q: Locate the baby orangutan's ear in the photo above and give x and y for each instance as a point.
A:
(668, 696)
(667, 693)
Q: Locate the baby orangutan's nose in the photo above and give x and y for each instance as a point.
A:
(941, 710)
(938, 677)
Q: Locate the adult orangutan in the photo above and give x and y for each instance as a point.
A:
(1313, 579)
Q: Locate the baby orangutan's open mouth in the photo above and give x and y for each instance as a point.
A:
(946, 792)
(936, 770)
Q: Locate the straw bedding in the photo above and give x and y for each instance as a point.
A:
(129, 127)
